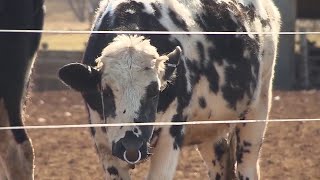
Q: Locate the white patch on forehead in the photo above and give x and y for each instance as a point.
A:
(128, 53)
(139, 43)
(128, 65)
(131, 99)
(124, 62)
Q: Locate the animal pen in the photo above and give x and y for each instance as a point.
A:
(57, 123)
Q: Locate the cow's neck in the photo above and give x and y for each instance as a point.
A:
(177, 90)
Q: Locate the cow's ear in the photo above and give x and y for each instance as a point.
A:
(80, 77)
(172, 63)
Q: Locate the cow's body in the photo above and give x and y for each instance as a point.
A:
(219, 77)
(17, 53)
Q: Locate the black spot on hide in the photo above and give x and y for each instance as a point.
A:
(177, 20)
(113, 171)
(218, 176)
(242, 147)
(228, 50)
(183, 97)
(202, 102)
(219, 150)
(157, 10)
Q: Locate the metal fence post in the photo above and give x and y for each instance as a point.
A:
(285, 68)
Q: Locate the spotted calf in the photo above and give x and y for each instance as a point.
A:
(177, 78)
(17, 53)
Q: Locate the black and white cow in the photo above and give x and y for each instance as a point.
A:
(178, 78)
(17, 53)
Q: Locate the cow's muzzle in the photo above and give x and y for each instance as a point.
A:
(131, 149)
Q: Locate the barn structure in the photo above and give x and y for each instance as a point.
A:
(291, 10)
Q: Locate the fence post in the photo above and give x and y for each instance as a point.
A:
(285, 68)
(305, 61)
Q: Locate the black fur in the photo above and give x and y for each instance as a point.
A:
(218, 177)
(242, 147)
(202, 102)
(184, 97)
(177, 20)
(238, 75)
(219, 150)
(148, 108)
(94, 100)
(113, 171)
(157, 10)
(80, 77)
(17, 52)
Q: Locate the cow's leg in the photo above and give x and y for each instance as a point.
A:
(19, 161)
(215, 155)
(17, 51)
(16, 152)
(250, 136)
(166, 153)
(249, 141)
(3, 175)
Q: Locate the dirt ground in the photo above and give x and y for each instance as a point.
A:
(291, 150)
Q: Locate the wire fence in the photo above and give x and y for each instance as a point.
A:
(156, 124)
(157, 32)
(201, 122)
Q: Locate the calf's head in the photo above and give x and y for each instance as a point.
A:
(124, 88)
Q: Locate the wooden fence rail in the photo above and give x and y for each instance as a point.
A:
(44, 76)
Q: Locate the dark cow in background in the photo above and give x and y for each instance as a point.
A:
(178, 78)
(17, 51)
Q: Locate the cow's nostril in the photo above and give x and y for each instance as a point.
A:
(132, 156)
